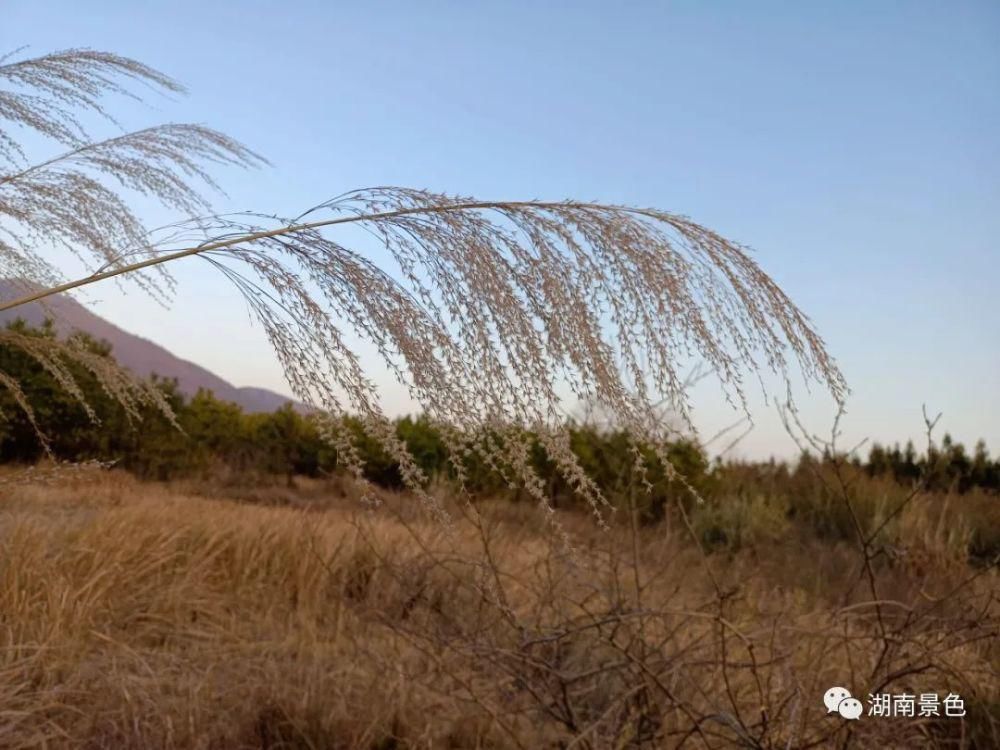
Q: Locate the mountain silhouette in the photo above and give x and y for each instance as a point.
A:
(142, 356)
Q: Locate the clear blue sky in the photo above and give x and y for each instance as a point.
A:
(854, 145)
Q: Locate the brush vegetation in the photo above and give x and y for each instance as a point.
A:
(200, 615)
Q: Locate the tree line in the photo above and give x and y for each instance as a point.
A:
(212, 435)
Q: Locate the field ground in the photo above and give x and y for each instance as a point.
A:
(183, 616)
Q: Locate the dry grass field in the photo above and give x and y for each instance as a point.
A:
(152, 616)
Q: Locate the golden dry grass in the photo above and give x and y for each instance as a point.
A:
(144, 616)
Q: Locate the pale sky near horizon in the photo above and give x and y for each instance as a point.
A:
(853, 145)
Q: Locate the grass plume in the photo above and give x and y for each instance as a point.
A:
(487, 312)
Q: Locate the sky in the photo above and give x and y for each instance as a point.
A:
(853, 145)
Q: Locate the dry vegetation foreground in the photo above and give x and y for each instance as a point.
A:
(146, 616)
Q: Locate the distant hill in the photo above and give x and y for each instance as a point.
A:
(141, 356)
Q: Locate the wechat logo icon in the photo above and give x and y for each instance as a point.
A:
(839, 700)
